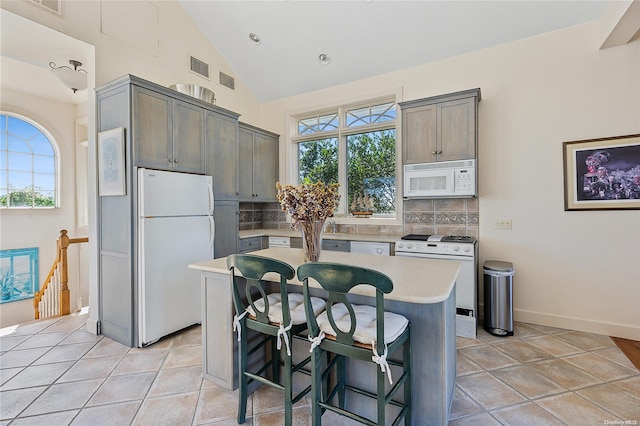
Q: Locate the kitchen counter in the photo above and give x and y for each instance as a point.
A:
(380, 238)
(424, 292)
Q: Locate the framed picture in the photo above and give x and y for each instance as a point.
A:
(602, 174)
(111, 177)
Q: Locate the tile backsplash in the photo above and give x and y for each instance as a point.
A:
(450, 216)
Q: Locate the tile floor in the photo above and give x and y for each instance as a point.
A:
(55, 373)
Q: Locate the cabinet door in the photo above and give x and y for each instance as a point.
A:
(222, 155)
(152, 129)
(225, 215)
(419, 143)
(188, 138)
(245, 165)
(457, 129)
(265, 167)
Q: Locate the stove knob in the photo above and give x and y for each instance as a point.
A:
(456, 248)
(467, 249)
(400, 245)
(409, 246)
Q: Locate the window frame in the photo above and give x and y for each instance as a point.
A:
(293, 139)
(56, 165)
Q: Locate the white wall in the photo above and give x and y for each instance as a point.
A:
(576, 270)
(41, 228)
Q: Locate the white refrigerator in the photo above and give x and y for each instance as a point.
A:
(175, 228)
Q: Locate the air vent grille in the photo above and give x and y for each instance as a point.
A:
(199, 67)
(227, 81)
(53, 6)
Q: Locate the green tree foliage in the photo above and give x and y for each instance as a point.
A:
(27, 198)
(319, 161)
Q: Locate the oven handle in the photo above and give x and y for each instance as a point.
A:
(436, 256)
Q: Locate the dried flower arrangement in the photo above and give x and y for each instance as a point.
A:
(309, 204)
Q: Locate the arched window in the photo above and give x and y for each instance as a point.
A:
(28, 165)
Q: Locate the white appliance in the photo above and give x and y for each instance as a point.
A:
(175, 228)
(365, 247)
(441, 179)
(462, 249)
(279, 242)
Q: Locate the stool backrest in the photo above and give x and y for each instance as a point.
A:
(337, 280)
(253, 269)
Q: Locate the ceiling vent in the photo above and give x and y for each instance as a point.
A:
(227, 81)
(53, 6)
(199, 67)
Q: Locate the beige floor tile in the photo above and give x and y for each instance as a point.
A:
(167, 410)
(527, 414)
(32, 327)
(600, 367)
(71, 323)
(465, 342)
(486, 337)
(586, 341)
(76, 394)
(614, 399)
(177, 380)
(217, 404)
(7, 373)
(463, 405)
(523, 351)
(43, 340)
(333, 419)
(165, 343)
(91, 368)
(465, 366)
(107, 347)
(267, 399)
(631, 384)
(301, 417)
(575, 410)
(183, 357)
(81, 336)
(62, 353)
(21, 358)
(108, 415)
(53, 419)
(522, 330)
(488, 357)
(123, 388)
(554, 346)
(616, 355)
(138, 362)
(37, 375)
(13, 402)
(483, 419)
(189, 337)
(565, 374)
(10, 342)
(488, 391)
(528, 381)
(546, 329)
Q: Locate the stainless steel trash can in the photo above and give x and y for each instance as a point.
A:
(498, 297)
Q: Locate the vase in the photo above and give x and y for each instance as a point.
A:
(311, 239)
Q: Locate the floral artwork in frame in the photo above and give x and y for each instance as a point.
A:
(602, 174)
(18, 274)
(111, 164)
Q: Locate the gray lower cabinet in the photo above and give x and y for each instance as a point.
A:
(336, 245)
(250, 244)
(257, 164)
(225, 215)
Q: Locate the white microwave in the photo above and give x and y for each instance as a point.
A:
(440, 180)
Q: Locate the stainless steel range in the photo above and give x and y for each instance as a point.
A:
(450, 247)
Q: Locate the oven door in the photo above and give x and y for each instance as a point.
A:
(466, 315)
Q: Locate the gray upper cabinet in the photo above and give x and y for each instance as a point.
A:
(440, 128)
(169, 133)
(258, 164)
(222, 155)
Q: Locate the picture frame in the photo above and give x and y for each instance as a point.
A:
(602, 174)
(111, 163)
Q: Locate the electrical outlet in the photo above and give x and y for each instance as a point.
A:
(504, 224)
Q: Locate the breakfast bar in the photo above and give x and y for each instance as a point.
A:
(424, 292)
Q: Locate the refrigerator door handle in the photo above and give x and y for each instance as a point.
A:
(210, 192)
(212, 233)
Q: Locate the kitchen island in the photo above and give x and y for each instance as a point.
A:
(424, 292)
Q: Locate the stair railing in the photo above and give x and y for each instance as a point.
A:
(53, 299)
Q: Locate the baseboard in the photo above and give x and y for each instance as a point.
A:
(93, 326)
(578, 324)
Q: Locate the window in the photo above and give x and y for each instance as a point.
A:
(28, 165)
(354, 146)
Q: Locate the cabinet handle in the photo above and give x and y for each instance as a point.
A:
(237, 193)
(175, 161)
(434, 152)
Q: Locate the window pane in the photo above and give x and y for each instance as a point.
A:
(19, 161)
(44, 199)
(369, 115)
(382, 113)
(318, 161)
(318, 124)
(21, 198)
(41, 145)
(20, 180)
(371, 169)
(18, 145)
(43, 164)
(44, 181)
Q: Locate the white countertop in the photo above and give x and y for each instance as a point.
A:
(382, 238)
(415, 280)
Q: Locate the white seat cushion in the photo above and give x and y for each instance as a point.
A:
(296, 307)
(365, 333)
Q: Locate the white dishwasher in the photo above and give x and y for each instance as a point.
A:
(279, 242)
(368, 247)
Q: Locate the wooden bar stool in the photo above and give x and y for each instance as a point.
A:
(278, 316)
(362, 332)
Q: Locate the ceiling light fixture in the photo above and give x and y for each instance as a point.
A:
(324, 59)
(255, 38)
(75, 79)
